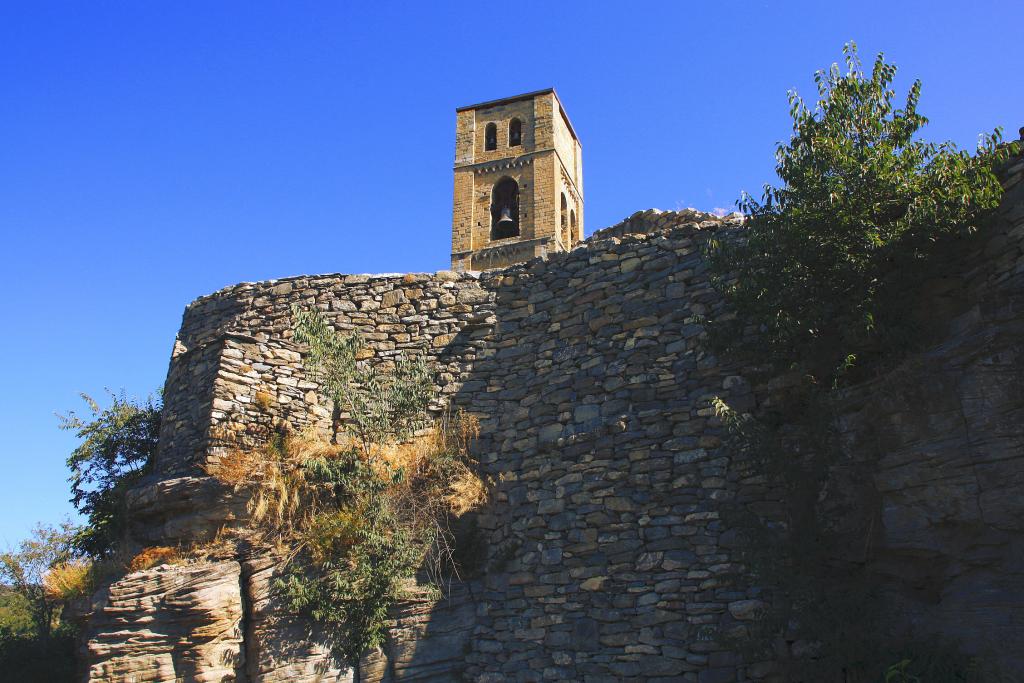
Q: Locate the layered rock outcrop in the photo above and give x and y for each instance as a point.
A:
(608, 558)
(169, 623)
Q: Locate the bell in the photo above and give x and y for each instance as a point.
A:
(506, 224)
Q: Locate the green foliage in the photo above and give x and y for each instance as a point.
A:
(824, 266)
(937, 661)
(118, 448)
(897, 673)
(24, 570)
(15, 613)
(30, 659)
(359, 553)
(381, 406)
(378, 510)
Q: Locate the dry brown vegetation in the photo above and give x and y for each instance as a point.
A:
(154, 556)
(275, 480)
(68, 580)
(438, 481)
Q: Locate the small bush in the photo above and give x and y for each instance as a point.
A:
(360, 524)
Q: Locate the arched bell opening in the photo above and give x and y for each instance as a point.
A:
(515, 133)
(491, 137)
(505, 209)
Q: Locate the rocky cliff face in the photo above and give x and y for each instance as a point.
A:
(945, 434)
(168, 624)
(607, 555)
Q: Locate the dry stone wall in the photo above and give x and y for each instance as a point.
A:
(606, 543)
(256, 377)
(608, 559)
(656, 220)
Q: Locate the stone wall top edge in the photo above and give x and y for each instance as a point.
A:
(606, 238)
(687, 219)
(241, 288)
(688, 215)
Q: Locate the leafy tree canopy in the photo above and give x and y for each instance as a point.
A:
(25, 570)
(118, 448)
(862, 203)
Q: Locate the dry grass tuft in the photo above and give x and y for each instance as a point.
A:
(439, 482)
(151, 557)
(467, 492)
(68, 580)
(333, 530)
(264, 399)
(280, 498)
(235, 468)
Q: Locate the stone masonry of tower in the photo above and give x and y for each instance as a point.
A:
(528, 143)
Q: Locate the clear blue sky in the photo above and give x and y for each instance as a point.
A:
(152, 152)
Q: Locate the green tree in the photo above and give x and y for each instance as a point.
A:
(118, 448)
(823, 280)
(35, 645)
(829, 254)
(25, 570)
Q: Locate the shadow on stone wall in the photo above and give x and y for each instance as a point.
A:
(594, 395)
(608, 558)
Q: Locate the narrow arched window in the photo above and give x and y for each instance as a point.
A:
(572, 228)
(491, 137)
(515, 133)
(505, 209)
(563, 220)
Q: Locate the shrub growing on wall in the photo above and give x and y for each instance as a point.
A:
(829, 253)
(364, 514)
(821, 281)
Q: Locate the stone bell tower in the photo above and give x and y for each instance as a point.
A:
(518, 181)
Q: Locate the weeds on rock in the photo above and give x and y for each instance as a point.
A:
(363, 515)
